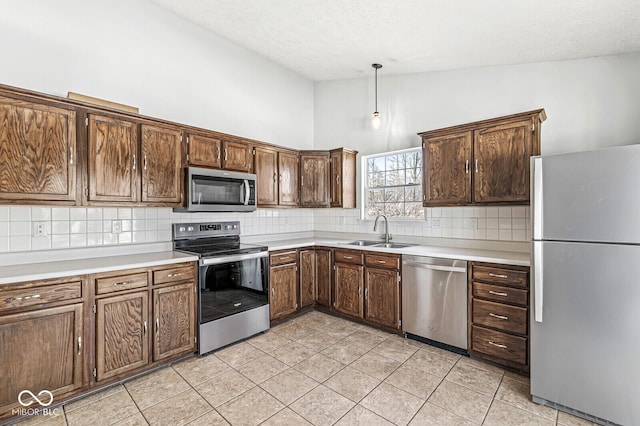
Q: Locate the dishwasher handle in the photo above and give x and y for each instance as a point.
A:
(435, 267)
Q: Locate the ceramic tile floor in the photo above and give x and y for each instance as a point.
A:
(320, 370)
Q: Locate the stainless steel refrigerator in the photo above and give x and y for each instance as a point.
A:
(585, 298)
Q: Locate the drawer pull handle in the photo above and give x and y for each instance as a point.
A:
(19, 299)
(491, 274)
(380, 261)
(501, 317)
(284, 258)
(497, 345)
(174, 275)
(122, 283)
(79, 345)
(348, 257)
(498, 293)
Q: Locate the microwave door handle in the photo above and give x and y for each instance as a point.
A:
(247, 192)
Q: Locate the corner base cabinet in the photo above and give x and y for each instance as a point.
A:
(499, 314)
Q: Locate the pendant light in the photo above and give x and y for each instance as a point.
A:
(376, 120)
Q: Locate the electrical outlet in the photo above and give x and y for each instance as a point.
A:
(470, 223)
(39, 229)
(116, 226)
(435, 223)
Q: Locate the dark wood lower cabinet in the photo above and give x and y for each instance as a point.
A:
(121, 334)
(348, 291)
(307, 278)
(174, 310)
(324, 267)
(283, 297)
(382, 302)
(40, 350)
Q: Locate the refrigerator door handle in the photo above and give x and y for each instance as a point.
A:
(536, 196)
(537, 281)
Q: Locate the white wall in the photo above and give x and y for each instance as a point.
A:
(136, 53)
(590, 103)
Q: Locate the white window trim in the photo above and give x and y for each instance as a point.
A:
(364, 188)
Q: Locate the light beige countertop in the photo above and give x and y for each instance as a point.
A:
(470, 254)
(66, 268)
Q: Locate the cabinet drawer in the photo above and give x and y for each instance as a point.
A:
(380, 261)
(342, 256)
(497, 315)
(498, 344)
(120, 283)
(500, 293)
(179, 273)
(283, 257)
(14, 299)
(501, 276)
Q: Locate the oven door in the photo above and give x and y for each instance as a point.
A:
(233, 284)
(210, 190)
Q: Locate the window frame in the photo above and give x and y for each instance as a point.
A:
(364, 189)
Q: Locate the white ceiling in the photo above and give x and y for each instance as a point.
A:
(336, 39)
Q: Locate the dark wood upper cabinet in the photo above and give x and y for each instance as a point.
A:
(314, 179)
(37, 151)
(266, 168)
(501, 165)
(343, 178)
(288, 178)
(112, 159)
(448, 162)
(236, 156)
(161, 164)
(485, 162)
(204, 151)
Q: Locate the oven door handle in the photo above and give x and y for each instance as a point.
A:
(247, 192)
(233, 258)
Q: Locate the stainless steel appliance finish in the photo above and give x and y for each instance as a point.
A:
(434, 299)
(585, 342)
(233, 282)
(209, 190)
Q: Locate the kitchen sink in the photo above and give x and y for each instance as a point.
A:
(363, 243)
(393, 245)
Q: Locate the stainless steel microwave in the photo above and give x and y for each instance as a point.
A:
(208, 190)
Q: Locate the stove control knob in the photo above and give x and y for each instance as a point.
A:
(181, 229)
(190, 229)
(235, 226)
(228, 226)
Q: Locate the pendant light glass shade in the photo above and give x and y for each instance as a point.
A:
(376, 120)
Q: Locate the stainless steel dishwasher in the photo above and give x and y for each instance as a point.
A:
(434, 299)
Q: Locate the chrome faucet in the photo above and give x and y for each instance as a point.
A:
(387, 237)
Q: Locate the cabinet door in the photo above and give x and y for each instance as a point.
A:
(382, 297)
(37, 152)
(288, 179)
(174, 311)
(121, 334)
(204, 151)
(336, 179)
(40, 350)
(323, 276)
(161, 165)
(284, 295)
(501, 168)
(447, 169)
(112, 162)
(236, 156)
(314, 180)
(307, 278)
(267, 175)
(348, 284)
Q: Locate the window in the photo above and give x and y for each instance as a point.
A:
(392, 184)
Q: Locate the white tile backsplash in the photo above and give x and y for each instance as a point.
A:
(80, 227)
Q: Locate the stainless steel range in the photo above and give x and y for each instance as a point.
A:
(233, 282)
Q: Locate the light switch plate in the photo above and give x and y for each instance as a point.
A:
(116, 226)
